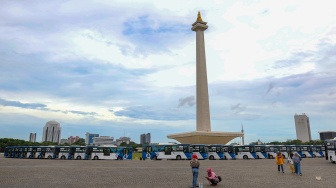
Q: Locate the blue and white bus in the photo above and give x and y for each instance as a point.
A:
(330, 146)
(319, 151)
(215, 152)
(166, 151)
(47, 152)
(229, 153)
(7, 151)
(245, 152)
(200, 150)
(272, 151)
(61, 152)
(108, 152)
(307, 151)
(260, 151)
(77, 152)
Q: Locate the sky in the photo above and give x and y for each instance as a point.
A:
(124, 68)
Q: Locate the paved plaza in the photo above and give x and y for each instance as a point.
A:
(164, 173)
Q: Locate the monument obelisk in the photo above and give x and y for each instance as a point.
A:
(203, 133)
(202, 96)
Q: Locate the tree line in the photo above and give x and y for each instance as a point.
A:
(292, 142)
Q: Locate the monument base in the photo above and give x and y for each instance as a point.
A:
(204, 137)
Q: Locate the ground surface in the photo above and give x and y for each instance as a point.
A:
(138, 174)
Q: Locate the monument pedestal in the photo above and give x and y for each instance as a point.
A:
(204, 137)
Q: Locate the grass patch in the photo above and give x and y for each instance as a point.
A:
(136, 156)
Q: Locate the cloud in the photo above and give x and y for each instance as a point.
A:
(190, 101)
(22, 105)
(156, 113)
(270, 87)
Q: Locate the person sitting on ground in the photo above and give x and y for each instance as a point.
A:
(212, 177)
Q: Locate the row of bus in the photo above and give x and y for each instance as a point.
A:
(69, 152)
(222, 152)
(174, 151)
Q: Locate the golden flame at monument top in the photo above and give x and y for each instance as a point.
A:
(199, 18)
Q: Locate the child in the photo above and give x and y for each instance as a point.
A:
(297, 165)
(290, 162)
(194, 163)
(279, 160)
(212, 177)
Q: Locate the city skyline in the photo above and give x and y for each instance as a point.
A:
(125, 68)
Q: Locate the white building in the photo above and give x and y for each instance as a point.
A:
(103, 140)
(32, 137)
(302, 127)
(51, 132)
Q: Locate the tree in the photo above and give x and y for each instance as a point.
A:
(79, 142)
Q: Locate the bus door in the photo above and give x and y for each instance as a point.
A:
(8, 151)
(31, 152)
(168, 150)
(127, 153)
(147, 152)
(24, 152)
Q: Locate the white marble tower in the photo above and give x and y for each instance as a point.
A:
(203, 133)
(202, 96)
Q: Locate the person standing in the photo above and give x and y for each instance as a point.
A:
(194, 164)
(297, 164)
(290, 162)
(279, 160)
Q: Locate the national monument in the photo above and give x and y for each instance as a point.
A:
(203, 133)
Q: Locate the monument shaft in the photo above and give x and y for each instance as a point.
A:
(202, 96)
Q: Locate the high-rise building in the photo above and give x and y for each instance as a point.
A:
(89, 138)
(302, 127)
(32, 137)
(51, 132)
(145, 138)
(325, 135)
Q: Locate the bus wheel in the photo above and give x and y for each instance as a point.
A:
(178, 157)
(245, 157)
(49, 157)
(154, 158)
(212, 157)
(258, 157)
(314, 155)
(95, 158)
(78, 158)
(119, 158)
(304, 156)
